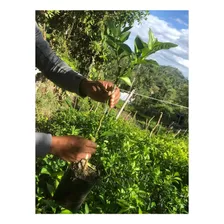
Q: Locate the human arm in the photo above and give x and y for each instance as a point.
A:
(63, 76)
(54, 68)
(68, 148)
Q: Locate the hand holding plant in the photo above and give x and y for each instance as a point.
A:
(101, 91)
(72, 148)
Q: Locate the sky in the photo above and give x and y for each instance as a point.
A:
(167, 26)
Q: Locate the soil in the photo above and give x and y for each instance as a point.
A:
(75, 185)
(89, 174)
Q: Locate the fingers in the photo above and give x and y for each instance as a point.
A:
(102, 91)
(102, 86)
(108, 86)
(76, 157)
(81, 156)
(115, 98)
(91, 144)
(82, 145)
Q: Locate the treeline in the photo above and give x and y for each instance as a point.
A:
(170, 87)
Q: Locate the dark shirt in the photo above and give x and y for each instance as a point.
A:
(54, 68)
(59, 73)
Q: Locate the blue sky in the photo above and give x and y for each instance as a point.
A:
(178, 19)
(167, 26)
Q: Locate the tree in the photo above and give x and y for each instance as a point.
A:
(82, 32)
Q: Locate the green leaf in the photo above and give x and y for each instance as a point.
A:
(123, 210)
(111, 43)
(139, 210)
(126, 48)
(44, 171)
(86, 208)
(145, 52)
(162, 46)
(152, 40)
(126, 29)
(114, 29)
(124, 36)
(177, 178)
(69, 103)
(126, 80)
(139, 44)
(108, 133)
(50, 189)
(56, 183)
(153, 204)
(120, 51)
(156, 47)
(151, 62)
(66, 211)
(110, 27)
(123, 203)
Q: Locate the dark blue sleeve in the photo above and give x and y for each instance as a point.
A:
(54, 68)
(43, 144)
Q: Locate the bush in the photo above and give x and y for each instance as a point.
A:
(139, 174)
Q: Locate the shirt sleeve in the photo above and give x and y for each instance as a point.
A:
(54, 68)
(43, 144)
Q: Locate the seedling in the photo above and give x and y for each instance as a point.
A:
(76, 184)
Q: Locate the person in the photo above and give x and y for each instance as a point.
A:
(69, 148)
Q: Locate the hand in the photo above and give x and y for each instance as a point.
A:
(72, 148)
(101, 91)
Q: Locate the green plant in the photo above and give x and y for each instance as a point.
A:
(138, 174)
(116, 36)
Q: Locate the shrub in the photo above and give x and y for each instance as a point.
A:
(139, 174)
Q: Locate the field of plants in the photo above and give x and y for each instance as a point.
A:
(139, 174)
(143, 165)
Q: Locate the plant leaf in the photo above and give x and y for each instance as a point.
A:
(150, 61)
(139, 210)
(126, 48)
(126, 29)
(50, 189)
(177, 178)
(152, 40)
(163, 46)
(123, 203)
(126, 80)
(138, 43)
(86, 208)
(111, 28)
(44, 171)
(66, 211)
(123, 210)
(153, 204)
(108, 133)
(124, 36)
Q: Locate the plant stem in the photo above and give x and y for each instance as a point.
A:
(156, 124)
(105, 113)
(149, 122)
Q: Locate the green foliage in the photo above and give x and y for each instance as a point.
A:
(84, 32)
(164, 83)
(138, 174)
(126, 80)
(126, 60)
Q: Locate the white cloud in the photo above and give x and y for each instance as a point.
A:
(181, 22)
(164, 32)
